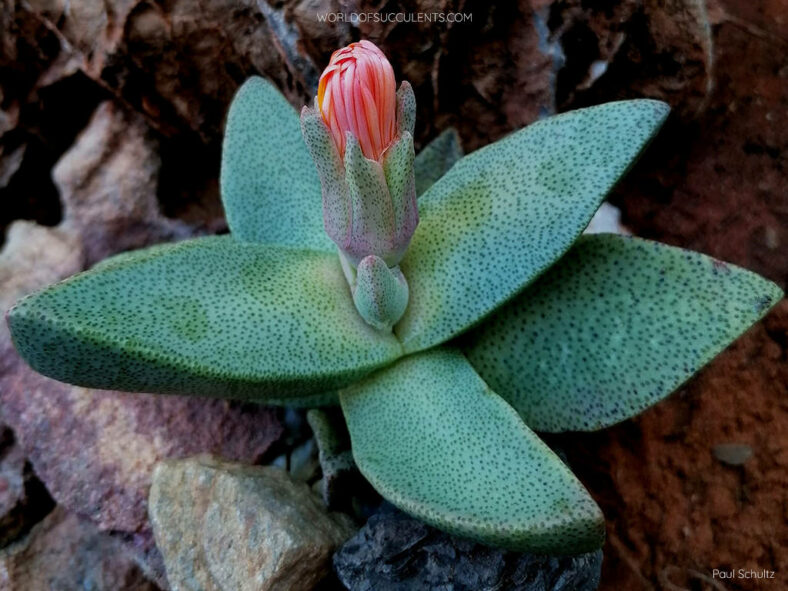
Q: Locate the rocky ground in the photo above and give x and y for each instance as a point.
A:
(110, 129)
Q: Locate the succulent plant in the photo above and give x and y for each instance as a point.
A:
(449, 329)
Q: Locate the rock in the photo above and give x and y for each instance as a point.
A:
(395, 552)
(223, 526)
(161, 59)
(501, 80)
(23, 499)
(733, 454)
(141, 547)
(108, 181)
(655, 48)
(66, 553)
(96, 450)
(607, 219)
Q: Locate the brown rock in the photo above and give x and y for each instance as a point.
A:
(655, 48)
(223, 526)
(108, 181)
(69, 554)
(178, 63)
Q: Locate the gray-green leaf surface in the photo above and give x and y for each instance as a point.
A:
(503, 214)
(211, 316)
(436, 158)
(615, 326)
(434, 440)
(270, 189)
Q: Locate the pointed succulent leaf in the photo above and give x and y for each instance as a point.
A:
(436, 158)
(399, 172)
(505, 213)
(615, 326)
(331, 171)
(269, 186)
(380, 293)
(372, 212)
(406, 108)
(211, 316)
(434, 440)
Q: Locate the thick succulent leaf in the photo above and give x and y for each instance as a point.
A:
(406, 109)
(615, 326)
(505, 213)
(270, 189)
(436, 158)
(434, 440)
(211, 316)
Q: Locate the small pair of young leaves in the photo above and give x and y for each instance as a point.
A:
(266, 315)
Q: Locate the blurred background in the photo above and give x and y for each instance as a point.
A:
(111, 117)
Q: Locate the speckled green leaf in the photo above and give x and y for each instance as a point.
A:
(436, 158)
(434, 440)
(269, 184)
(615, 326)
(505, 213)
(211, 316)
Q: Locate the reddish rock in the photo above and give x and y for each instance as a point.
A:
(96, 450)
(66, 553)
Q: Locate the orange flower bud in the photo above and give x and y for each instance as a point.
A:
(357, 93)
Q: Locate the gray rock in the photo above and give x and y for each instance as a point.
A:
(234, 527)
(66, 553)
(394, 552)
(733, 454)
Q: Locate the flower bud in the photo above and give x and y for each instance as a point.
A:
(360, 135)
(380, 293)
(357, 94)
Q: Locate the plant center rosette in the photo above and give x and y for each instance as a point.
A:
(559, 332)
